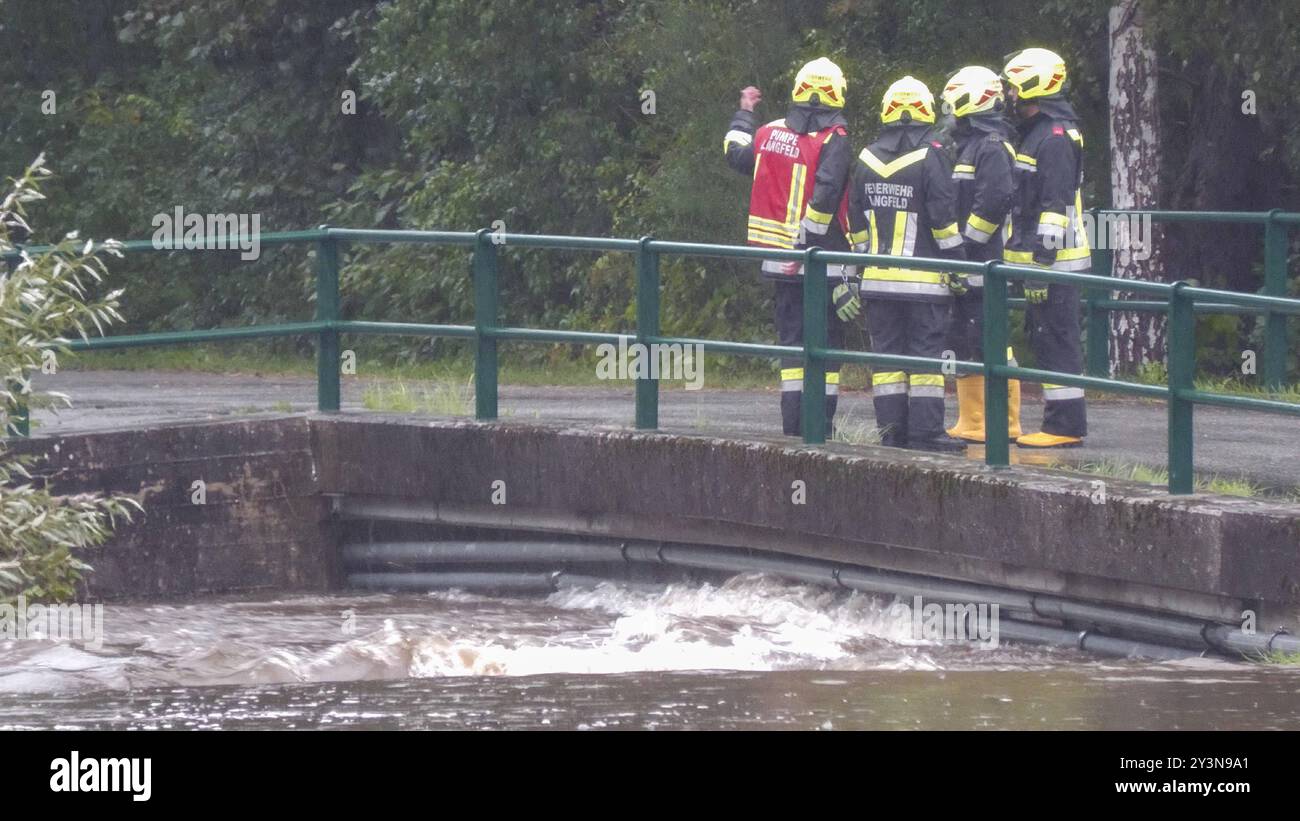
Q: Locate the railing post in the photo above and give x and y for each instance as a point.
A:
(812, 413)
(997, 446)
(647, 325)
(1182, 375)
(1098, 319)
(1275, 276)
(327, 310)
(485, 320)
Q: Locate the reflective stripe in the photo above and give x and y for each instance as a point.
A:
(963, 168)
(886, 383)
(814, 227)
(1053, 231)
(835, 270)
(817, 216)
(909, 235)
(962, 175)
(985, 226)
(1018, 257)
(1072, 264)
(791, 379)
(1060, 393)
(859, 238)
(792, 206)
(949, 230)
(740, 138)
(888, 169)
(975, 280)
(862, 247)
(876, 286)
(926, 392)
(976, 234)
(832, 383)
(765, 238)
(1025, 159)
(926, 379)
(946, 237)
(773, 225)
(1052, 218)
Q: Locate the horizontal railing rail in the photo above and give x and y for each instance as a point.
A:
(1179, 300)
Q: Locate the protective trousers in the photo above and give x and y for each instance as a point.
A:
(1054, 336)
(908, 404)
(789, 331)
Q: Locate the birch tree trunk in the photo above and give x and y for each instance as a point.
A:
(1136, 338)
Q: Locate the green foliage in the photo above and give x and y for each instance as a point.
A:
(525, 111)
(43, 300)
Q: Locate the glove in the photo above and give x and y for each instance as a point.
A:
(958, 283)
(1035, 292)
(847, 304)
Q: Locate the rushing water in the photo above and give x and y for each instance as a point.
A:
(752, 653)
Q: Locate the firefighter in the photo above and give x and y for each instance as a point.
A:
(800, 168)
(903, 202)
(1047, 231)
(984, 172)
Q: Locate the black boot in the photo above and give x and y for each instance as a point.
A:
(941, 443)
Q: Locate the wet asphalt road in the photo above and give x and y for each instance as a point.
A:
(1261, 447)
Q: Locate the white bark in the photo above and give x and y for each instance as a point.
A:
(1136, 338)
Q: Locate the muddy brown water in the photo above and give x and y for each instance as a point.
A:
(754, 652)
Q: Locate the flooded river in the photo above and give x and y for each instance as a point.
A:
(754, 652)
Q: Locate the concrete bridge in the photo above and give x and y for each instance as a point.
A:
(298, 501)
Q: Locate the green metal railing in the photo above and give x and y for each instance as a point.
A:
(1179, 300)
(1098, 304)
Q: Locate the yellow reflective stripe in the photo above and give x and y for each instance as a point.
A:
(797, 177)
(1080, 230)
(791, 373)
(1073, 253)
(875, 234)
(930, 379)
(945, 232)
(758, 158)
(859, 237)
(964, 168)
(773, 226)
(894, 166)
(888, 377)
(817, 216)
(904, 275)
(1010, 149)
(779, 241)
(1052, 218)
(1018, 257)
(900, 234)
(1075, 135)
(1026, 159)
(833, 378)
(980, 223)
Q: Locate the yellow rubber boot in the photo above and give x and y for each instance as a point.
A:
(970, 409)
(1013, 410)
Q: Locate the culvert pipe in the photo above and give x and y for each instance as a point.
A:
(1177, 634)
